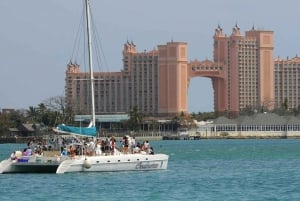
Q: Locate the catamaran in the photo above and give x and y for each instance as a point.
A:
(107, 161)
(112, 161)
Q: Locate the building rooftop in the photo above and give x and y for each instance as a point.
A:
(103, 118)
(260, 119)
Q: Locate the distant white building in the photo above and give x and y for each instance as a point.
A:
(258, 125)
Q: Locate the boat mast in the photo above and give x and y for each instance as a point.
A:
(88, 26)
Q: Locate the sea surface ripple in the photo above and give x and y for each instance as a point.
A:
(198, 170)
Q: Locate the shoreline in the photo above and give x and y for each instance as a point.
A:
(20, 140)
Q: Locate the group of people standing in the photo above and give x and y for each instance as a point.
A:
(31, 149)
(129, 145)
(108, 146)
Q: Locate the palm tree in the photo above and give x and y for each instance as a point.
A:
(32, 114)
(42, 108)
(285, 104)
(135, 119)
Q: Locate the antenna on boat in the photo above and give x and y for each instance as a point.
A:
(90, 59)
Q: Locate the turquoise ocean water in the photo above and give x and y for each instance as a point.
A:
(198, 170)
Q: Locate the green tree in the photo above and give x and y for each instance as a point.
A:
(32, 114)
(135, 119)
(43, 114)
(285, 104)
(10, 120)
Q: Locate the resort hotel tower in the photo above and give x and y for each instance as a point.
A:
(244, 75)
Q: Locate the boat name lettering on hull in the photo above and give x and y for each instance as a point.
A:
(146, 165)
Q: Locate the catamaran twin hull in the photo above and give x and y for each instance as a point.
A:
(30, 168)
(112, 163)
(30, 164)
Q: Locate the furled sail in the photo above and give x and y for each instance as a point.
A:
(90, 131)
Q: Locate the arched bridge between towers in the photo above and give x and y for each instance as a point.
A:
(217, 73)
(206, 68)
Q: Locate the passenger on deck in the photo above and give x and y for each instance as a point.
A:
(146, 146)
(98, 148)
(91, 149)
(125, 148)
(64, 152)
(136, 150)
(72, 151)
(38, 150)
(13, 156)
(29, 152)
(151, 151)
(102, 146)
(123, 142)
(85, 149)
(112, 144)
(24, 152)
(133, 143)
(30, 144)
(107, 146)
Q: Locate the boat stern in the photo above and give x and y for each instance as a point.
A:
(5, 166)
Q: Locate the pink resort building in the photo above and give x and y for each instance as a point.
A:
(244, 75)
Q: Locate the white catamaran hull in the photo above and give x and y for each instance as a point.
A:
(111, 163)
(30, 165)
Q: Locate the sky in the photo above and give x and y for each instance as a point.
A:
(37, 38)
